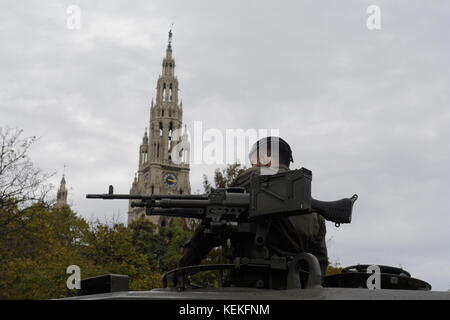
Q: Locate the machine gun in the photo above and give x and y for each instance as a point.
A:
(234, 213)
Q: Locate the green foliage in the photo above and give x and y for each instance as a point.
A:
(210, 278)
(175, 236)
(334, 268)
(36, 250)
(225, 177)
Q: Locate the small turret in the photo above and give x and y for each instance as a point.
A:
(61, 196)
(143, 150)
(135, 183)
(145, 138)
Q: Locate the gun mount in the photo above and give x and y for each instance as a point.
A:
(243, 218)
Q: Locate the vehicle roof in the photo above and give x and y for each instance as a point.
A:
(265, 294)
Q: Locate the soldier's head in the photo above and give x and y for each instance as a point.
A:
(271, 152)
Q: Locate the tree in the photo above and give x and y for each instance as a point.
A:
(33, 261)
(20, 180)
(111, 249)
(147, 240)
(223, 178)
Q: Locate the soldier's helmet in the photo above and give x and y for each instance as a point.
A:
(273, 147)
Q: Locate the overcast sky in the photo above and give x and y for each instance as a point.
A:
(368, 111)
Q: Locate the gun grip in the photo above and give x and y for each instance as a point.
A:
(339, 211)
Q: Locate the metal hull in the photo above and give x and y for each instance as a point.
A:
(263, 294)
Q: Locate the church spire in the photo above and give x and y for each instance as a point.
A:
(158, 173)
(61, 196)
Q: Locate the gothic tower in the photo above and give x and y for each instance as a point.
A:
(61, 195)
(163, 153)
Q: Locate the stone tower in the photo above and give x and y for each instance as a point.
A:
(163, 153)
(61, 195)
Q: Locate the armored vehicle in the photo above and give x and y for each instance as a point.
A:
(240, 218)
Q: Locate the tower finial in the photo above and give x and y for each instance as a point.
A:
(170, 37)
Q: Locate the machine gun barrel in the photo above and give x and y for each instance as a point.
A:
(230, 200)
(111, 196)
(176, 203)
(287, 193)
(196, 213)
(107, 196)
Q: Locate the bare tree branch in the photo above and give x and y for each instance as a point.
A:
(20, 179)
(21, 183)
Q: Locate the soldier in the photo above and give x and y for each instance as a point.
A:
(287, 236)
